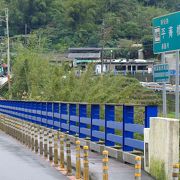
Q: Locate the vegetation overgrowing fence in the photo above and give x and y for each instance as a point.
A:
(76, 119)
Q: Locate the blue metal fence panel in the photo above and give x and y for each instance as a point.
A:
(44, 114)
(115, 125)
(56, 116)
(84, 121)
(136, 128)
(128, 117)
(109, 117)
(50, 115)
(66, 117)
(115, 138)
(150, 111)
(95, 114)
(73, 119)
(38, 113)
(134, 143)
(33, 112)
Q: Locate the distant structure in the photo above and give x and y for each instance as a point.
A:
(84, 53)
(83, 56)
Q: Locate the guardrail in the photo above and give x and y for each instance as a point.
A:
(85, 120)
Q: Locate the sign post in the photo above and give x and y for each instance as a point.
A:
(161, 75)
(166, 38)
(177, 84)
(164, 90)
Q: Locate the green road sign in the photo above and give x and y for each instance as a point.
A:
(166, 32)
(161, 73)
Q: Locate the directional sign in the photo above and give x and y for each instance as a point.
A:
(161, 73)
(166, 32)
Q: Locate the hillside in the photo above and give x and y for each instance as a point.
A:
(68, 23)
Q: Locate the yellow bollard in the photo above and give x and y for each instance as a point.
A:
(62, 151)
(23, 132)
(26, 134)
(78, 160)
(29, 135)
(56, 149)
(86, 164)
(41, 141)
(137, 174)
(50, 147)
(45, 143)
(32, 138)
(175, 174)
(105, 165)
(68, 156)
(36, 139)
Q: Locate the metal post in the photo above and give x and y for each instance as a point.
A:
(137, 174)
(8, 49)
(105, 165)
(25, 33)
(41, 141)
(102, 49)
(45, 143)
(164, 90)
(68, 156)
(21, 129)
(62, 152)
(78, 161)
(36, 139)
(26, 134)
(102, 63)
(175, 174)
(50, 147)
(56, 149)
(110, 60)
(29, 136)
(32, 138)
(177, 84)
(86, 164)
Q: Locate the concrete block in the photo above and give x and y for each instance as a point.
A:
(115, 153)
(84, 142)
(163, 146)
(96, 147)
(128, 157)
(73, 139)
(146, 150)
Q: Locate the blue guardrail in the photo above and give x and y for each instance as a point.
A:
(84, 120)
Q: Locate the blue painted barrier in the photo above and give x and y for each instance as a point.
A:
(75, 119)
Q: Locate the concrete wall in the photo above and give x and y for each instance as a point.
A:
(163, 146)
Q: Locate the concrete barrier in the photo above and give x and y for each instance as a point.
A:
(163, 147)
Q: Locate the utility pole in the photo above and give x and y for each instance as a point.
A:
(110, 60)
(25, 33)
(102, 49)
(8, 49)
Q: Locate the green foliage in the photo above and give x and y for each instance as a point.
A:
(158, 169)
(40, 80)
(80, 23)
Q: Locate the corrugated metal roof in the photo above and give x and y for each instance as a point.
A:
(87, 49)
(84, 55)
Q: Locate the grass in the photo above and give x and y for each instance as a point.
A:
(158, 169)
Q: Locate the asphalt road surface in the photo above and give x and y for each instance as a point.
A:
(19, 163)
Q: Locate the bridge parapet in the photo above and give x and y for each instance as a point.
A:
(97, 122)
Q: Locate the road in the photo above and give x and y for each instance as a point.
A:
(117, 170)
(19, 163)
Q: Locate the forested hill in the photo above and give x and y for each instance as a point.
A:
(68, 23)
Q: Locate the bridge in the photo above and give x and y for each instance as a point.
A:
(46, 127)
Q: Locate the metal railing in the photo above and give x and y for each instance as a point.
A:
(84, 120)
